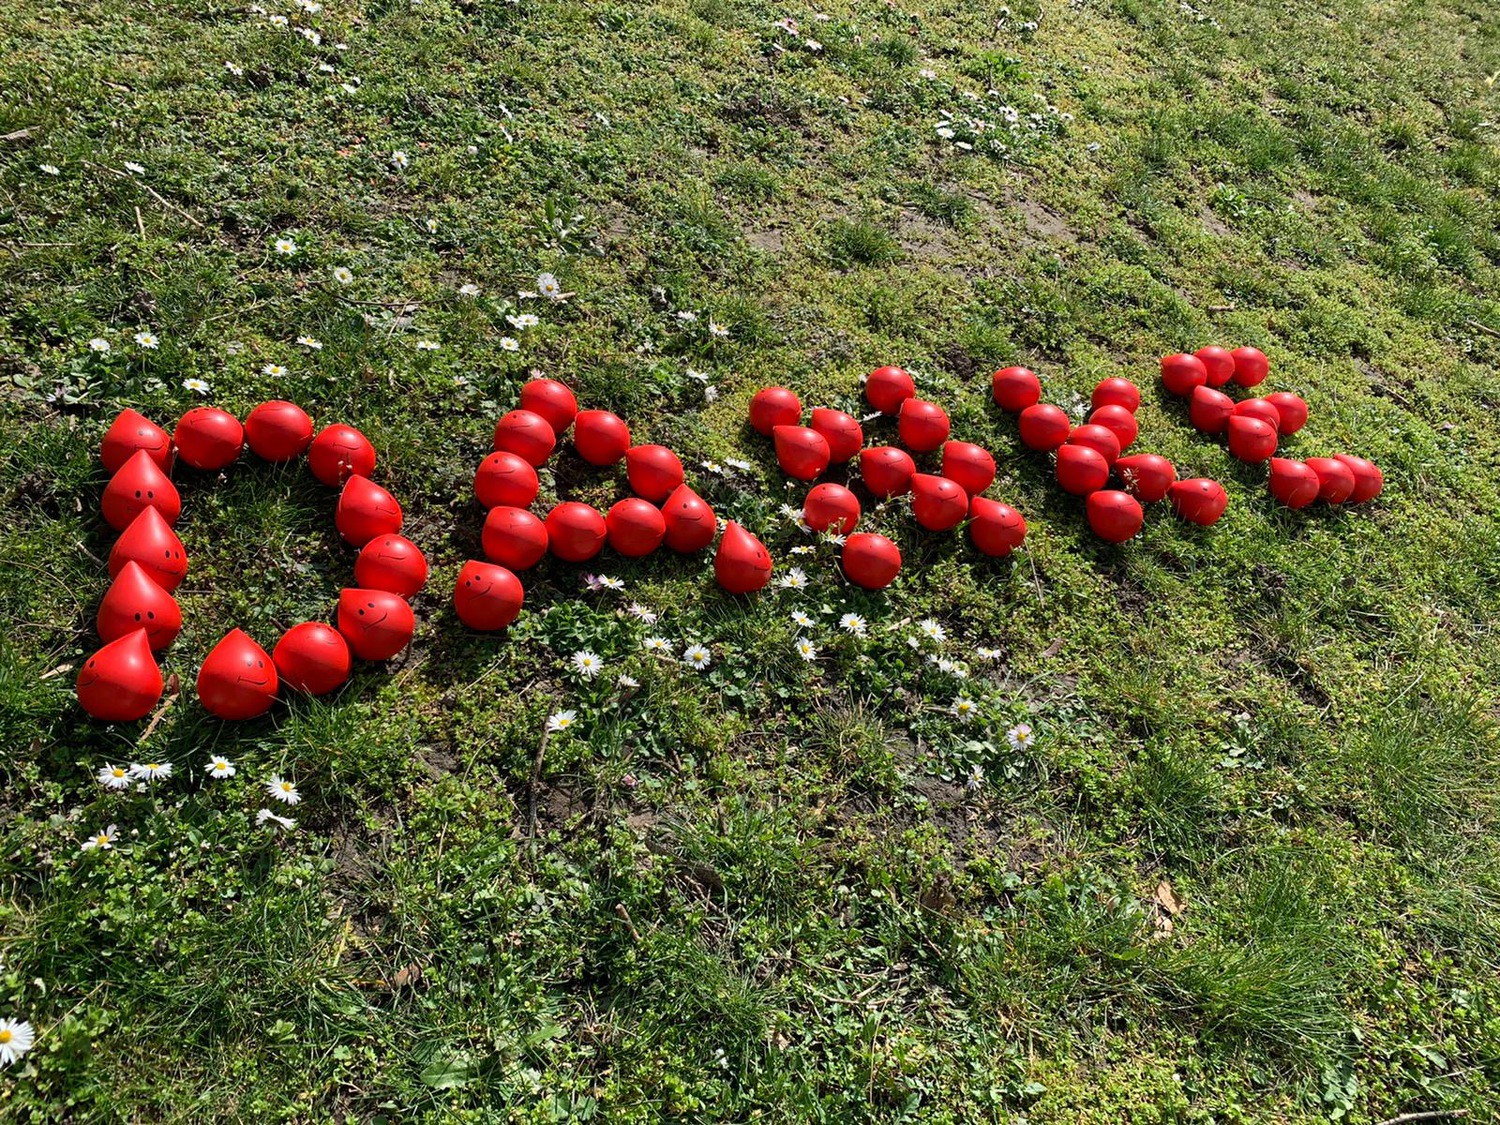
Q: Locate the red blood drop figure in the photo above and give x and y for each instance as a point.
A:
(801, 451)
(1081, 469)
(238, 678)
(121, 682)
(600, 437)
(842, 431)
(923, 425)
(1251, 440)
(969, 466)
(831, 507)
(1101, 438)
(1210, 410)
(139, 485)
(1335, 479)
(1250, 366)
(1180, 373)
(1218, 363)
(1293, 411)
(553, 401)
(278, 430)
(312, 657)
(886, 388)
(691, 523)
(772, 407)
(742, 564)
(575, 532)
(1119, 422)
(376, 623)
(505, 480)
(635, 528)
(1115, 516)
(1116, 392)
(527, 435)
(338, 453)
(151, 542)
(208, 438)
(1146, 476)
(1368, 479)
(1293, 483)
(1044, 427)
(1260, 408)
(996, 529)
(1199, 500)
(487, 597)
(654, 471)
(131, 432)
(1015, 388)
(871, 561)
(366, 510)
(514, 538)
(886, 471)
(938, 503)
(134, 602)
(393, 563)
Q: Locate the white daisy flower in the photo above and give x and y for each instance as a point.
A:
(274, 370)
(696, 657)
(427, 345)
(286, 246)
(399, 159)
(710, 394)
(852, 623)
(806, 649)
(988, 653)
(794, 579)
(267, 816)
(99, 344)
(102, 841)
(468, 289)
(343, 275)
(510, 343)
(548, 286)
(637, 610)
(1020, 736)
(628, 682)
(277, 21)
(151, 771)
(218, 767)
(147, 340)
(196, 385)
(132, 166)
(965, 710)
(688, 317)
(279, 789)
(16, 1038)
(51, 169)
(431, 225)
(587, 664)
(932, 630)
(718, 330)
(238, 72)
(975, 779)
(561, 721)
(311, 36)
(742, 466)
(114, 777)
(524, 320)
(802, 620)
(608, 583)
(310, 342)
(656, 644)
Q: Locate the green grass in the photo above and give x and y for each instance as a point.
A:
(1245, 872)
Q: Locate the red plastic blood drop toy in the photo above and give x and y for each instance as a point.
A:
(238, 678)
(392, 563)
(801, 451)
(278, 430)
(1335, 479)
(923, 425)
(1115, 516)
(1015, 388)
(1292, 408)
(121, 682)
(312, 657)
(886, 388)
(1146, 476)
(553, 401)
(831, 507)
(635, 528)
(575, 532)
(514, 538)
(938, 503)
(1081, 469)
(487, 597)
(1044, 427)
(134, 602)
(131, 432)
(886, 471)
(1118, 421)
(1210, 410)
(691, 523)
(600, 437)
(996, 529)
(772, 407)
(842, 431)
(871, 561)
(742, 564)
(139, 485)
(527, 435)
(208, 438)
(654, 471)
(1368, 479)
(1250, 366)
(968, 465)
(1260, 408)
(1180, 373)
(1251, 440)
(1116, 392)
(1100, 438)
(151, 542)
(1199, 500)
(338, 453)
(505, 480)
(1218, 363)
(376, 623)
(1293, 483)
(366, 510)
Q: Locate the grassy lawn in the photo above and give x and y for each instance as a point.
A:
(1246, 868)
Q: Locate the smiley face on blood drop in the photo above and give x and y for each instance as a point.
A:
(376, 623)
